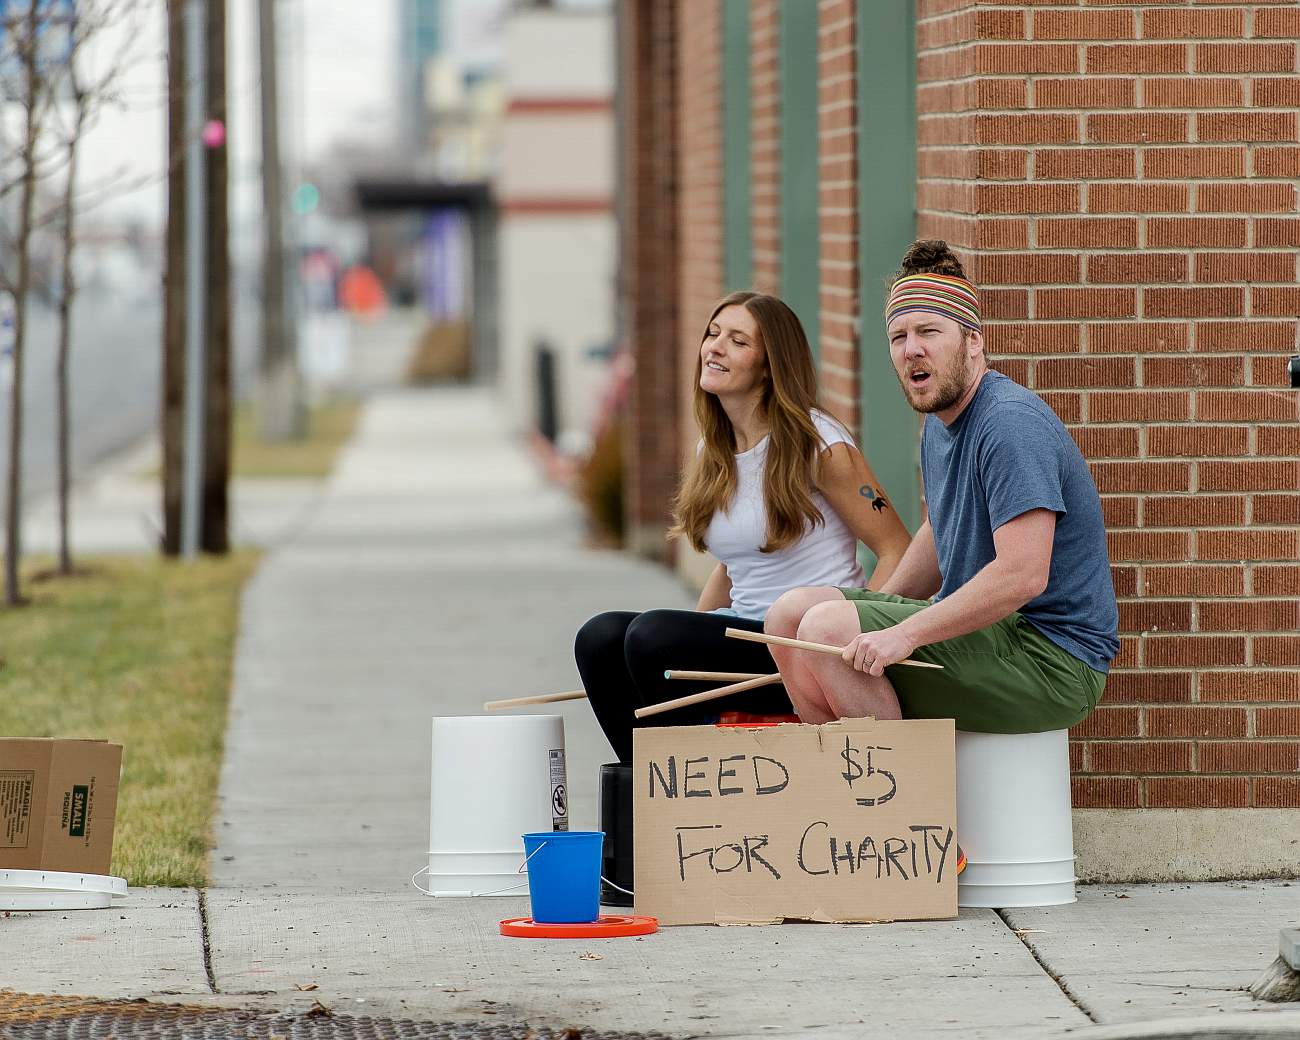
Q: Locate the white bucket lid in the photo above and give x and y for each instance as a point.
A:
(61, 881)
(52, 899)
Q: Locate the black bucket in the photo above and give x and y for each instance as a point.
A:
(616, 822)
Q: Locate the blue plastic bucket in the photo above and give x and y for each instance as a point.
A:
(564, 875)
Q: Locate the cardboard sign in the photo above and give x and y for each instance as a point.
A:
(851, 821)
(58, 804)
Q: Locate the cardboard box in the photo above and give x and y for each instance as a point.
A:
(58, 804)
(851, 821)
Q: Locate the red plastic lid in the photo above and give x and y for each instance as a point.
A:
(753, 721)
(604, 927)
(745, 725)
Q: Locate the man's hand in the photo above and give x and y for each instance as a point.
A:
(873, 652)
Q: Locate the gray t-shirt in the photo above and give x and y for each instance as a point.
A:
(1007, 453)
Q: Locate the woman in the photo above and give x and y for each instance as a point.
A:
(778, 492)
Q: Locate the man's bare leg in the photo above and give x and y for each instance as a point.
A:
(848, 692)
(783, 620)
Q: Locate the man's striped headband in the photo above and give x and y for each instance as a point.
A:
(944, 294)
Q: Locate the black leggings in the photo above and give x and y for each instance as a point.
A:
(622, 657)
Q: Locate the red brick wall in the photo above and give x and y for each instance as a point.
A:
(765, 157)
(648, 285)
(699, 181)
(837, 206)
(946, 97)
(1123, 182)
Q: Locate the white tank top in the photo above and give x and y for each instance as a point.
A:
(827, 554)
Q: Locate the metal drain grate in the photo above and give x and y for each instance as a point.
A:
(31, 1017)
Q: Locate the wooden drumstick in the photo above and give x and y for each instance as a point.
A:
(577, 695)
(543, 698)
(803, 644)
(708, 695)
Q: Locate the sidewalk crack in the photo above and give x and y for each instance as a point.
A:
(206, 936)
(1070, 995)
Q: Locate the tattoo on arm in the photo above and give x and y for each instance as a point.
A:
(875, 496)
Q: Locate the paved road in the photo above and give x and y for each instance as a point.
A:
(114, 381)
(116, 364)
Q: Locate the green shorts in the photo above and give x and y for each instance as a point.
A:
(1006, 678)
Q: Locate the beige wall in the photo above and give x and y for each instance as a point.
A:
(559, 53)
(556, 281)
(557, 155)
(555, 189)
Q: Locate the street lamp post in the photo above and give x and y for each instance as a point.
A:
(195, 307)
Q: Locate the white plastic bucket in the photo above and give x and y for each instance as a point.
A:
(493, 779)
(1014, 819)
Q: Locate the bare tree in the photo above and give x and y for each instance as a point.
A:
(87, 93)
(24, 27)
(81, 107)
(44, 44)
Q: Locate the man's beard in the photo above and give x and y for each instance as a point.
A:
(949, 391)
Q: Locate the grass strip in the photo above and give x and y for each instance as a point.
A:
(137, 650)
(329, 426)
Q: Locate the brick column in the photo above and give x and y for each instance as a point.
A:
(699, 39)
(1123, 183)
(765, 170)
(838, 206)
(648, 279)
(699, 180)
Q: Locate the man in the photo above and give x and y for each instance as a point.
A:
(1013, 549)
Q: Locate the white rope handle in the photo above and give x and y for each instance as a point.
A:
(620, 888)
(423, 870)
(522, 867)
(425, 891)
(512, 888)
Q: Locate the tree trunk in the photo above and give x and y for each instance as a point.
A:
(280, 408)
(214, 534)
(13, 507)
(173, 366)
(65, 341)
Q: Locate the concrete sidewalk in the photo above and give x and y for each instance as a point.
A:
(436, 571)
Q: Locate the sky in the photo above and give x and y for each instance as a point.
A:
(336, 82)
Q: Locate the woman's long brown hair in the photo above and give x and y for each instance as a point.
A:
(789, 395)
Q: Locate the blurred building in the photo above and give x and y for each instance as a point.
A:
(499, 207)
(1122, 183)
(429, 215)
(421, 34)
(555, 192)
(450, 90)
